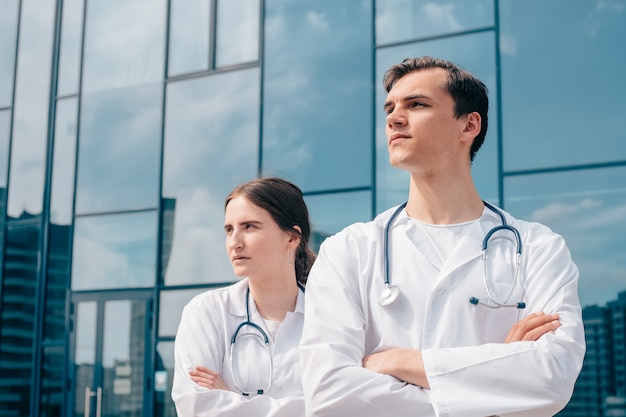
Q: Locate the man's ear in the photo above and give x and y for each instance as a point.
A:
(472, 126)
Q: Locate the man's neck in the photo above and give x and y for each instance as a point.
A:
(444, 200)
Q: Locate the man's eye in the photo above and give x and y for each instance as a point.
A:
(416, 104)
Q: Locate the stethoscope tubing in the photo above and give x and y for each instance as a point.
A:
(262, 335)
(390, 293)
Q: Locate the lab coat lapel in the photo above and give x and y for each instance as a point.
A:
(468, 249)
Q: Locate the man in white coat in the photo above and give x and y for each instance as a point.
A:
(452, 334)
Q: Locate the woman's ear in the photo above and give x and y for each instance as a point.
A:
(297, 236)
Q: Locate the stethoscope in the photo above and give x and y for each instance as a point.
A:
(391, 292)
(265, 341)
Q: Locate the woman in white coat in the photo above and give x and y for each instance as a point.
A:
(236, 349)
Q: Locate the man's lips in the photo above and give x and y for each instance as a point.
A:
(396, 136)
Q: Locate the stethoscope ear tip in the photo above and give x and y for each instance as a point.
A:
(388, 296)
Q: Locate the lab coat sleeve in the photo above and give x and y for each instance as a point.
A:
(200, 342)
(521, 378)
(333, 345)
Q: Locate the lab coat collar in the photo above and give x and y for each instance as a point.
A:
(470, 246)
(237, 300)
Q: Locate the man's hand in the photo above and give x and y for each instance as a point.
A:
(533, 327)
(207, 378)
(405, 364)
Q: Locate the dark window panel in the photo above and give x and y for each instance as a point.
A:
(52, 377)
(17, 332)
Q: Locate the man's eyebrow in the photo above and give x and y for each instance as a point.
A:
(407, 98)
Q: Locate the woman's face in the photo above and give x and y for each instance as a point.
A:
(256, 245)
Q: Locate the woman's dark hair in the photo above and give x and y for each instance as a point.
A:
(285, 203)
(469, 93)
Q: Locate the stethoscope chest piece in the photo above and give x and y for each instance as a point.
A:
(388, 296)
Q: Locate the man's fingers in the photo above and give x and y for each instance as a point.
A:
(533, 327)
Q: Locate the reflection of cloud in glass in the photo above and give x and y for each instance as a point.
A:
(114, 251)
(119, 150)
(8, 35)
(403, 20)
(71, 39)
(189, 36)
(587, 208)
(30, 120)
(596, 18)
(317, 94)
(508, 44)
(124, 43)
(62, 194)
(442, 16)
(317, 21)
(202, 147)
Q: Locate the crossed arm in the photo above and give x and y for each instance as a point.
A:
(407, 364)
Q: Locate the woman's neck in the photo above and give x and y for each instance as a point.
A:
(274, 299)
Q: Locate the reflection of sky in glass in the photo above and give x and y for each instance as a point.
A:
(69, 60)
(589, 209)
(116, 342)
(5, 118)
(189, 36)
(30, 124)
(402, 20)
(124, 43)
(171, 304)
(211, 145)
(85, 350)
(237, 37)
(317, 128)
(474, 53)
(119, 152)
(330, 213)
(563, 99)
(62, 196)
(114, 251)
(8, 35)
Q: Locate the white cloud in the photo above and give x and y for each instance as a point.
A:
(442, 16)
(317, 21)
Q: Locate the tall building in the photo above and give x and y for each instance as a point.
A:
(125, 123)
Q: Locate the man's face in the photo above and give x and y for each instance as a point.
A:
(422, 130)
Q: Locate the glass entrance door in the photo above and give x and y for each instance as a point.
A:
(110, 355)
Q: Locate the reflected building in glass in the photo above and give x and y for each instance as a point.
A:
(124, 125)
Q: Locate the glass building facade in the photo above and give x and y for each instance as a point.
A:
(124, 124)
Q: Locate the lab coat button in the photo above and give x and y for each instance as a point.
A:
(439, 291)
(279, 389)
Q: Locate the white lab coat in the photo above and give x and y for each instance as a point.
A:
(470, 371)
(203, 338)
